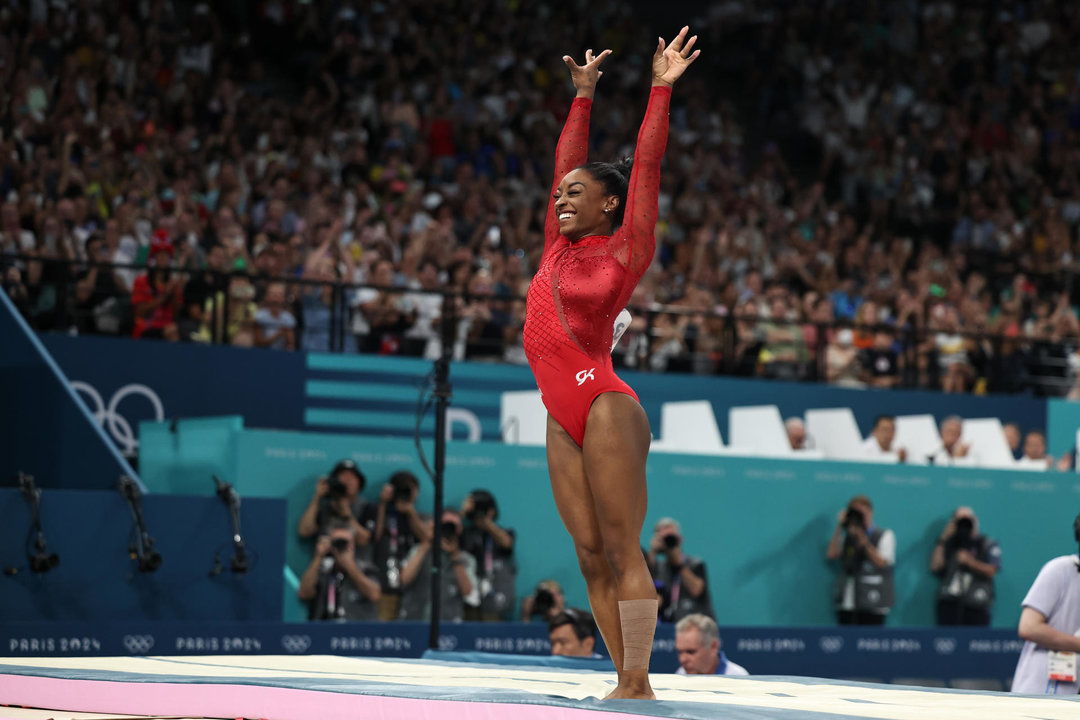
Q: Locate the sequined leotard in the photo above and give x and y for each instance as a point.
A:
(581, 286)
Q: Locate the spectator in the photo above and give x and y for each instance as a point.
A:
(397, 529)
(966, 562)
(381, 315)
(863, 593)
(952, 450)
(842, 361)
(460, 588)
(547, 601)
(680, 578)
(335, 584)
(337, 502)
(205, 289)
(880, 362)
(1035, 451)
(1048, 624)
(274, 325)
(880, 442)
(97, 293)
(797, 435)
(572, 633)
(422, 338)
(697, 642)
(492, 546)
(158, 294)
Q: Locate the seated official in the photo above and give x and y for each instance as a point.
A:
(572, 633)
(336, 585)
(697, 642)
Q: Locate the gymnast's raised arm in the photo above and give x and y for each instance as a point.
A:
(643, 193)
(573, 148)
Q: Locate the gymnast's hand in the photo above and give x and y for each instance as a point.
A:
(670, 61)
(585, 76)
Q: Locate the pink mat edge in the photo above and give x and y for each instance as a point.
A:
(269, 703)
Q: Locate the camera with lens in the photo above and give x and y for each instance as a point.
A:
(403, 484)
(965, 528)
(854, 518)
(339, 544)
(483, 503)
(448, 531)
(671, 541)
(543, 601)
(335, 488)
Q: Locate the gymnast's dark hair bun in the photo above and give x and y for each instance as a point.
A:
(615, 177)
(624, 166)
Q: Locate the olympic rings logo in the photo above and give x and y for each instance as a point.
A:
(138, 644)
(107, 416)
(296, 644)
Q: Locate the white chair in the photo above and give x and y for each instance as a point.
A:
(523, 418)
(835, 433)
(988, 444)
(689, 427)
(759, 428)
(919, 436)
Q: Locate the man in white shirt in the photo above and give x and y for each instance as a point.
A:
(863, 593)
(880, 442)
(1050, 623)
(1035, 452)
(952, 451)
(697, 641)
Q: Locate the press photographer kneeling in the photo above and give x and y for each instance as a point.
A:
(864, 591)
(336, 585)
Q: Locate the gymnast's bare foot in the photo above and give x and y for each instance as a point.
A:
(632, 687)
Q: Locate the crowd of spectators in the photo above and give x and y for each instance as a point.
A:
(906, 170)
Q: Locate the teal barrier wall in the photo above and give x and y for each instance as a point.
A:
(1062, 422)
(760, 524)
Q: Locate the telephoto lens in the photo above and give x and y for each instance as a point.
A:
(671, 541)
(339, 544)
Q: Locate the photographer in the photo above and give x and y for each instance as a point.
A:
(460, 589)
(337, 503)
(337, 586)
(493, 548)
(864, 589)
(966, 562)
(397, 528)
(547, 601)
(1050, 623)
(572, 633)
(680, 578)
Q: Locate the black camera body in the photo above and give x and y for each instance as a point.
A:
(448, 531)
(672, 541)
(483, 503)
(543, 601)
(336, 487)
(339, 544)
(965, 529)
(403, 484)
(854, 518)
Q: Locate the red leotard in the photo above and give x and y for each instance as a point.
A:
(581, 286)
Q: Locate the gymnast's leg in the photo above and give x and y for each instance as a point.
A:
(615, 449)
(574, 501)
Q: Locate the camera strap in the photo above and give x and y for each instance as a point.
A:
(489, 555)
(676, 587)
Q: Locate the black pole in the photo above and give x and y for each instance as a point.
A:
(443, 390)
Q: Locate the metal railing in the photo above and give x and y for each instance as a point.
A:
(220, 308)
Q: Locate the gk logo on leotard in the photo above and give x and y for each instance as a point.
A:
(585, 375)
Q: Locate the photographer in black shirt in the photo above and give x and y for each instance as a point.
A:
(397, 528)
(493, 548)
(337, 503)
(966, 561)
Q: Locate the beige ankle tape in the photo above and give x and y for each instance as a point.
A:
(638, 619)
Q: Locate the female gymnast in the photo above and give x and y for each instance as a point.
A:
(597, 432)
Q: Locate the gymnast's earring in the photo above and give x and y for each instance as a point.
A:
(607, 210)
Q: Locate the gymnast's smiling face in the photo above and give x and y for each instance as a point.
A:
(580, 204)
